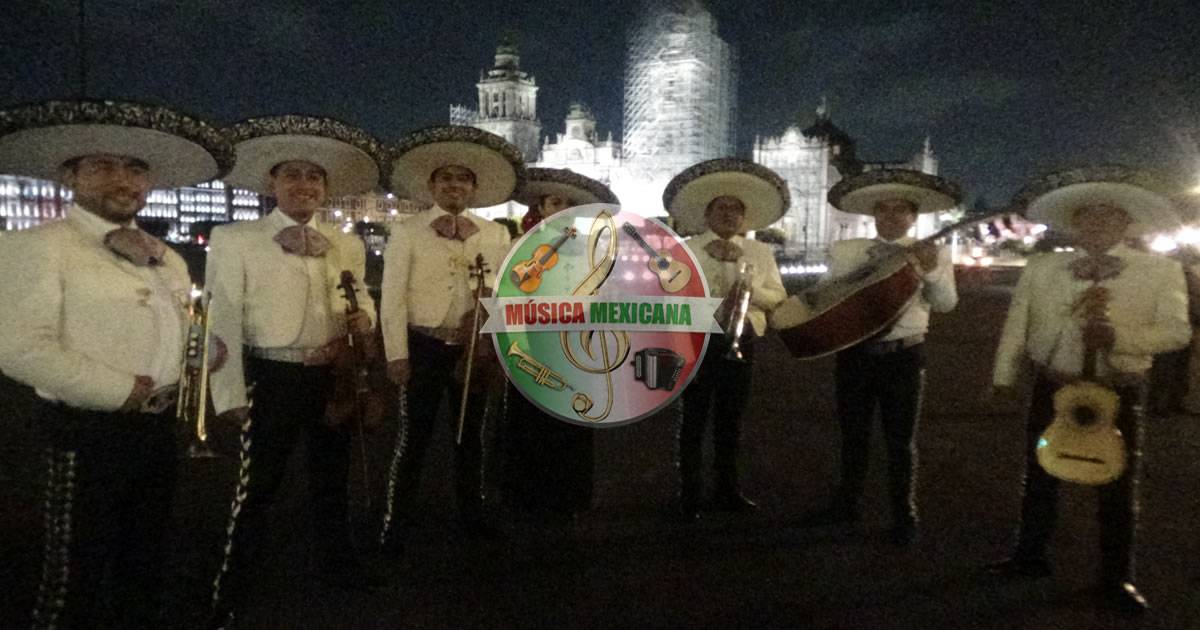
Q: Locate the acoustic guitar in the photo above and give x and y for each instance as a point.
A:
(1082, 445)
(841, 312)
(672, 274)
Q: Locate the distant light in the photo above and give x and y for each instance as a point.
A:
(967, 262)
(346, 229)
(986, 261)
(1188, 236)
(207, 248)
(1028, 240)
(337, 213)
(366, 219)
(378, 253)
(195, 293)
(1037, 229)
(394, 212)
(391, 196)
(1163, 243)
(976, 252)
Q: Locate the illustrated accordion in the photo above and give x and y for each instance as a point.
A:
(657, 368)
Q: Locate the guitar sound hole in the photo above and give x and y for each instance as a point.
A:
(662, 264)
(1085, 416)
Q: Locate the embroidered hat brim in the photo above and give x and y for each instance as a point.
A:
(497, 164)
(1054, 198)
(36, 139)
(762, 191)
(350, 157)
(860, 193)
(579, 189)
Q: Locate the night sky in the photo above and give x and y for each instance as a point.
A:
(1006, 90)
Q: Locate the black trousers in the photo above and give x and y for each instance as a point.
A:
(550, 462)
(719, 390)
(893, 382)
(289, 402)
(433, 364)
(107, 513)
(1118, 503)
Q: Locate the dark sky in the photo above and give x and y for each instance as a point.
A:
(1006, 89)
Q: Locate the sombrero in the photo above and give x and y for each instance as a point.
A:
(36, 139)
(497, 164)
(858, 194)
(1051, 199)
(351, 157)
(579, 189)
(763, 192)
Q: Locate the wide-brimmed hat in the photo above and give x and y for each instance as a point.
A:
(36, 139)
(858, 194)
(579, 189)
(497, 164)
(1053, 198)
(763, 192)
(350, 157)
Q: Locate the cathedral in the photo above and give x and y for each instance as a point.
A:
(680, 89)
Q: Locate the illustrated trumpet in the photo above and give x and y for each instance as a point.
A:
(191, 406)
(741, 307)
(541, 374)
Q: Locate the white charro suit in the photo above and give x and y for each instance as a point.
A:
(79, 321)
(259, 292)
(418, 284)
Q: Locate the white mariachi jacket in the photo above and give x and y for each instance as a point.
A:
(1147, 308)
(422, 271)
(766, 287)
(260, 292)
(939, 293)
(80, 322)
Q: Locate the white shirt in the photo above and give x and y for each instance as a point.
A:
(766, 287)
(318, 325)
(81, 322)
(425, 276)
(1147, 308)
(938, 292)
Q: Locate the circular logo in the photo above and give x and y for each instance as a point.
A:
(600, 317)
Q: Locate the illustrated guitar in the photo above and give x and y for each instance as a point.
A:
(1082, 445)
(527, 274)
(672, 274)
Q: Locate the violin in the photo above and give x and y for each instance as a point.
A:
(354, 399)
(527, 274)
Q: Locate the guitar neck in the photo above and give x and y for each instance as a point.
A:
(962, 224)
(637, 237)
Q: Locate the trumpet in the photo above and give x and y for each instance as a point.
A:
(191, 405)
(741, 307)
(541, 374)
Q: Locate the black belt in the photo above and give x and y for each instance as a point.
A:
(891, 345)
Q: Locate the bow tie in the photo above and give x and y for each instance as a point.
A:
(455, 227)
(723, 250)
(1096, 268)
(302, 240)
(136, 246)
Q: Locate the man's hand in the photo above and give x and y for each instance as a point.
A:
(1099, 334)
(235, 417)
(358, 322)
(143, 386)
(217, 353)
(399, 371)
(927, 256)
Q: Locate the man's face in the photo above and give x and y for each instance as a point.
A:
(553, 204)
(725, 216)
(1099, 226)
(894, 217)
(112, 187)
(452, 188)
(300, 188)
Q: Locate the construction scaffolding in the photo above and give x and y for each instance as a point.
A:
(680, 88)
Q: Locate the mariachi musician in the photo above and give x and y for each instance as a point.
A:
(428, 302)
(1141, 300)
(888, 369)
(550, 462)
(274, 284)
(93, 313)
(721, 200)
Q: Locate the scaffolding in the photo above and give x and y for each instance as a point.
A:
(680, 88)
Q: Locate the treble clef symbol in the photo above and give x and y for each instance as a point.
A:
(609, 358)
